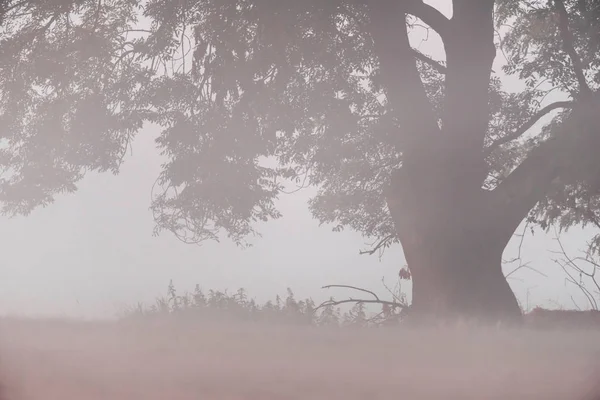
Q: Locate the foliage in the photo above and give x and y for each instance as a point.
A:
(537, 55)
(251, 94)
(67, 95)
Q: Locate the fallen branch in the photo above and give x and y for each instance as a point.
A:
(375, 300)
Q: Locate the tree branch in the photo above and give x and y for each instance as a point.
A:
(359, 301)
(526, 126)
(428, 14)
(569, 46)
(569, 262)
(376, 300)
(522, 265)
(470, 53)
(527, 184)
(353, 288)
(7, 7)
(402, 81)
(379, 245)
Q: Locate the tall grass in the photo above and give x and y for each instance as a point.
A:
(239, 306)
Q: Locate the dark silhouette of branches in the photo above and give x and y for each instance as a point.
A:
(528, 125)
(430, 15)
(518, 258)
(439, 67)
(376, 300)
(569, 46)
(379, 245)
(576, 270)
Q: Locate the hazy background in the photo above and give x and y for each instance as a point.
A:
(92, 252)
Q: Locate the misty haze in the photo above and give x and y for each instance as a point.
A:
(341, 199)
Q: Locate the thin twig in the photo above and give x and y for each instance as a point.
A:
(571, 263)
(358, 301)
(379, 245)
(519, 258)
(391, 292)
(353, 288)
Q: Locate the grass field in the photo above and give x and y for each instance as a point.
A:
(177, 359)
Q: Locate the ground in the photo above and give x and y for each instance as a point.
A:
(174, 359)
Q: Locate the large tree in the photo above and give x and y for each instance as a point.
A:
(433, 154)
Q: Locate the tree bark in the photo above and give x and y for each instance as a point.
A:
(453, 242)
(458, 282)
(452, 231)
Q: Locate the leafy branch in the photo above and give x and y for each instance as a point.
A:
(569, 46)
(527, 125)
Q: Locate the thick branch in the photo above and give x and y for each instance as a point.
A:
(529, 183)
(432, 63)
(573, 141)
(569, 46)
(398, 70)
(428, 14)
(470, 53)
(526, 126)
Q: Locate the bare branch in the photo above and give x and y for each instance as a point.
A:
(569, 46)
(430, 15)
(519, 258)
(569, 262)
(528, 125)
(359, 301)
(353, 288)
(378, 245)
(392, 304)
(399, 298)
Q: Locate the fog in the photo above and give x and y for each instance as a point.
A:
(71, 268)
(92, 253)
(181, 359)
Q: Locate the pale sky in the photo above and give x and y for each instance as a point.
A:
(92, 253)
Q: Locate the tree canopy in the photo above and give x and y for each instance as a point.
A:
(252, 93)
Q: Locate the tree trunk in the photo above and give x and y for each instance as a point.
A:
(453, 239)
(457, 281)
